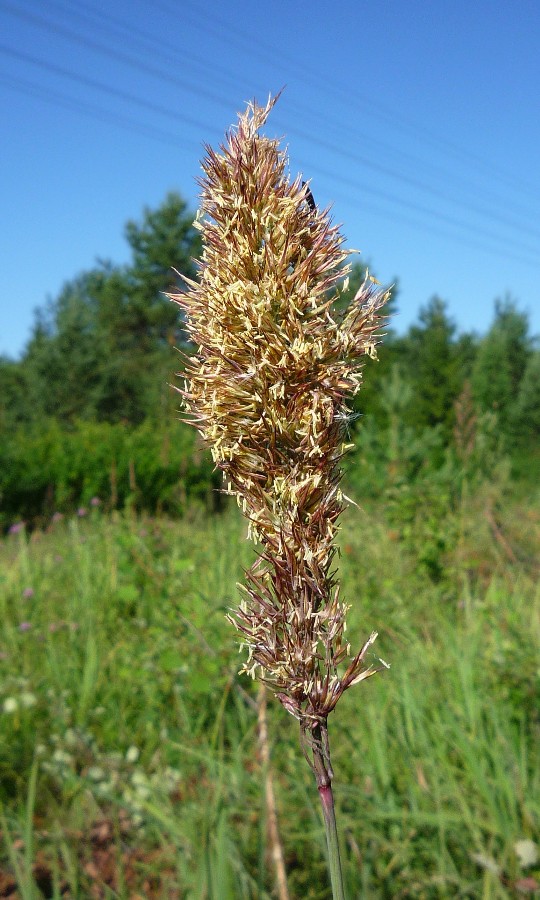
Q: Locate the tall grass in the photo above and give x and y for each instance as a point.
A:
(121, 709)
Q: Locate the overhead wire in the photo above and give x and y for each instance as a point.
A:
(112, 53)
(303, 69)
(164, 111)
(391, 116)
(144, 39)
(75, 104)
(94, 84)
(438, 217)
(125, 96)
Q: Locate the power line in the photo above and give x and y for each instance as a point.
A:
(79, 106)
(159, 44)
(377, 112)
(439, 217)
(94, 84)
(167, 50)
(165, 111)
(135, 62)
(413, 182)
(75, 104)
(116, 54)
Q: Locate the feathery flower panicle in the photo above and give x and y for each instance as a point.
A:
(266, 389)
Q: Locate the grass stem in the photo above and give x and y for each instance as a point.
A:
(334, 859)
(324, 774)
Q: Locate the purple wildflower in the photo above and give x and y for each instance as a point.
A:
(95, 501)
(82, 511)
(25, 626)
(28, 593)
(16, 527)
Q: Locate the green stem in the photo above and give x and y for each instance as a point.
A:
(324, 774)
(334, 860)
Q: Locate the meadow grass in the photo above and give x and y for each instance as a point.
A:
(128, 761)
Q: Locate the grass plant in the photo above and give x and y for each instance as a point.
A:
(275, 361)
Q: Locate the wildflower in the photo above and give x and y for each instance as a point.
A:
(71, 737)
(27, 699)
(10, 705)
(62, 758)
(82, 511)
(139, 782)
(25, 626)
(95, 501)
(132, 754)
(28, 593)
(16, 528)
(57, 517)
(527, 852)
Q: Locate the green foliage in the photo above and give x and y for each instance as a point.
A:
(103, 349)
(88, 410)
(423, 480)
(501, 363)
(164, 243)
(527, 409)
(13, 399)
(526, 420)
(48, 469)
(431, 358)
(120, 697)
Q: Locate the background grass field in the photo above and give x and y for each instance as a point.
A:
(131, 761)
(128, 748)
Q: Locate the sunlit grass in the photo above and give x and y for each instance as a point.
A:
(119, 691)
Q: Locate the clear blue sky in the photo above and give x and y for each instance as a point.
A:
(418, 120)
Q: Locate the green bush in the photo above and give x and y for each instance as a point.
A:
(54, 469)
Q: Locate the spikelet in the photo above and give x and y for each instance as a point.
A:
(266, 389)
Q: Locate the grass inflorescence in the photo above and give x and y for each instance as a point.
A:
(275, 362)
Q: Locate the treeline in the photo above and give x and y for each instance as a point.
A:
(88, 413)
